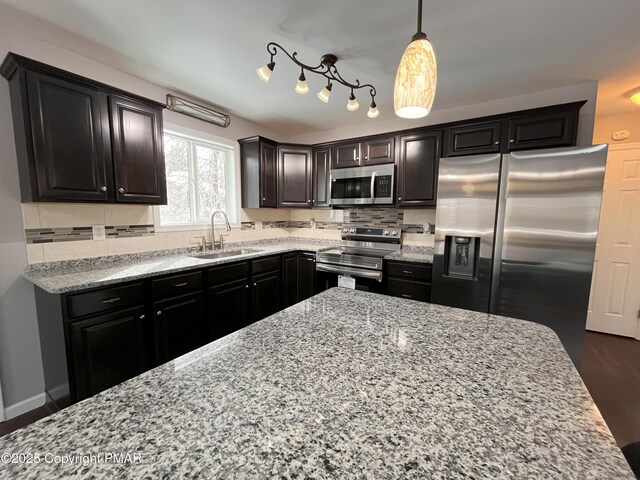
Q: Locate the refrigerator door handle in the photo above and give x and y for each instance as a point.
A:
(499, 234)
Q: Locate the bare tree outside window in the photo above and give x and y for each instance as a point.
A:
(197, 180)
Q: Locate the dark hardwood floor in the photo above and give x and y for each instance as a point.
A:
(611, 371)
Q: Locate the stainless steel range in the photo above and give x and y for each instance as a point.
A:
(359, 256)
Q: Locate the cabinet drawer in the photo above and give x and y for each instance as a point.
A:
(411, 271)
(228, 273)
(409, 289)
(98, 301)
(176, 285)
(268, 264)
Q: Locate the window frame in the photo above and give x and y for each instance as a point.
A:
(232, 182)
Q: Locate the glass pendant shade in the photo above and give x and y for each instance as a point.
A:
(301, 86)
(635, 98)
(416, 79)
(353, 104)
(325, 93)
(264, 72)
(373, 111)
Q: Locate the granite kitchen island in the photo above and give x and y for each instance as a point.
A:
(346, 384)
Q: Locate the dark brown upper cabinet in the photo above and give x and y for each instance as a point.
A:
(294, 176)
(321, 172)
(472, 139)
(345, 155)
(378, 151)
(418, 168)
(138, 157)
(78, 140)
(554, 129)
(259, 172)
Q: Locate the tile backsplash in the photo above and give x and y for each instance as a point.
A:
(62, 231)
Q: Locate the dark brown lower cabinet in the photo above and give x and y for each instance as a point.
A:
(229, 307)
(108, 350)
(409, 280)
(266, 294)
(181, 326)
(306, 275)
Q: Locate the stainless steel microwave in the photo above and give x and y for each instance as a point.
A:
(371, 185)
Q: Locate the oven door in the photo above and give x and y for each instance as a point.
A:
(366, 280)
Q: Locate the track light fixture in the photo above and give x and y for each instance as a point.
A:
(326, 68)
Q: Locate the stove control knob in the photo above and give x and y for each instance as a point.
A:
(394, 233)
(353, 230)
(345, 230)
(386, 232)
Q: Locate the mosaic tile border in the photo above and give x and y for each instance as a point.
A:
(72, 234)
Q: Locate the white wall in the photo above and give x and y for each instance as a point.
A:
(584, 91)
(20, 363)
(607, 124)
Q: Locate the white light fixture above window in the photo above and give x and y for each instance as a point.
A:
(327, 69)
(417, 76)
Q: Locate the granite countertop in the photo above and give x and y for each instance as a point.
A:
(346, 384)
(74, 276)
(65, 277)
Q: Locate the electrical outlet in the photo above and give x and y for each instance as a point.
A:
(99, 232)
(258, 225)
(427, 229)
(313, 223)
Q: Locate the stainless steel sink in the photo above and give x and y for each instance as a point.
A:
(224, 254)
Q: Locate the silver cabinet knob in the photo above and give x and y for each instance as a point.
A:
(366, 157)
(121, 190)
(255, 284)
(246, 286)
(399, 198)
(511, 141)
(497, 142)
(264, 198)
(159, 313)
(103, 188)
(142, 317)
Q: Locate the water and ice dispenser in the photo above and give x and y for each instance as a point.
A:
(461, 256)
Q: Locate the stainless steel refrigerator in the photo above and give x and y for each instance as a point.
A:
(516, 235)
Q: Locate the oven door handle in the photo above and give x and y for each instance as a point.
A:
(373, 185)
(354, 272)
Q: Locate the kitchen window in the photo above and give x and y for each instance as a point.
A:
(201, 178)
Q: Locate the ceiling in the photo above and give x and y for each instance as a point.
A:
(486, 49)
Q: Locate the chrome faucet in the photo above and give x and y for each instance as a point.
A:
(220, 243)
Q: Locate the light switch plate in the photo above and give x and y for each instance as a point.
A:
(99, 232)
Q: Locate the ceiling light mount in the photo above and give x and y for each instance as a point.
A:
(326, 68)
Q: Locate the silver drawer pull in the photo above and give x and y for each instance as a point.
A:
(183, 284)
(111, 300)
(407, 271)
(406, 296)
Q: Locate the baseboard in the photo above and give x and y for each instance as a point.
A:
(17, 409)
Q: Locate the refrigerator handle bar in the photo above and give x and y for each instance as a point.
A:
(499, 233)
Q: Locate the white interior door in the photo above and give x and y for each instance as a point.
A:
(614, 305)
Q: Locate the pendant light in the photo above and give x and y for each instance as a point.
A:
(417, 75)
(301, 86)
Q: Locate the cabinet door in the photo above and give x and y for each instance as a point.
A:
(138, 153)
(229, 307)
(472, 139)
(346, 155)
(306, 276)
(289, 279)
(180, 326)
(266, 295)
(547, 130)
(70, 137)
(108, 350)
(294, 177)
(268, 175)
(378, 151)
(321, 169)
(418, 169)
